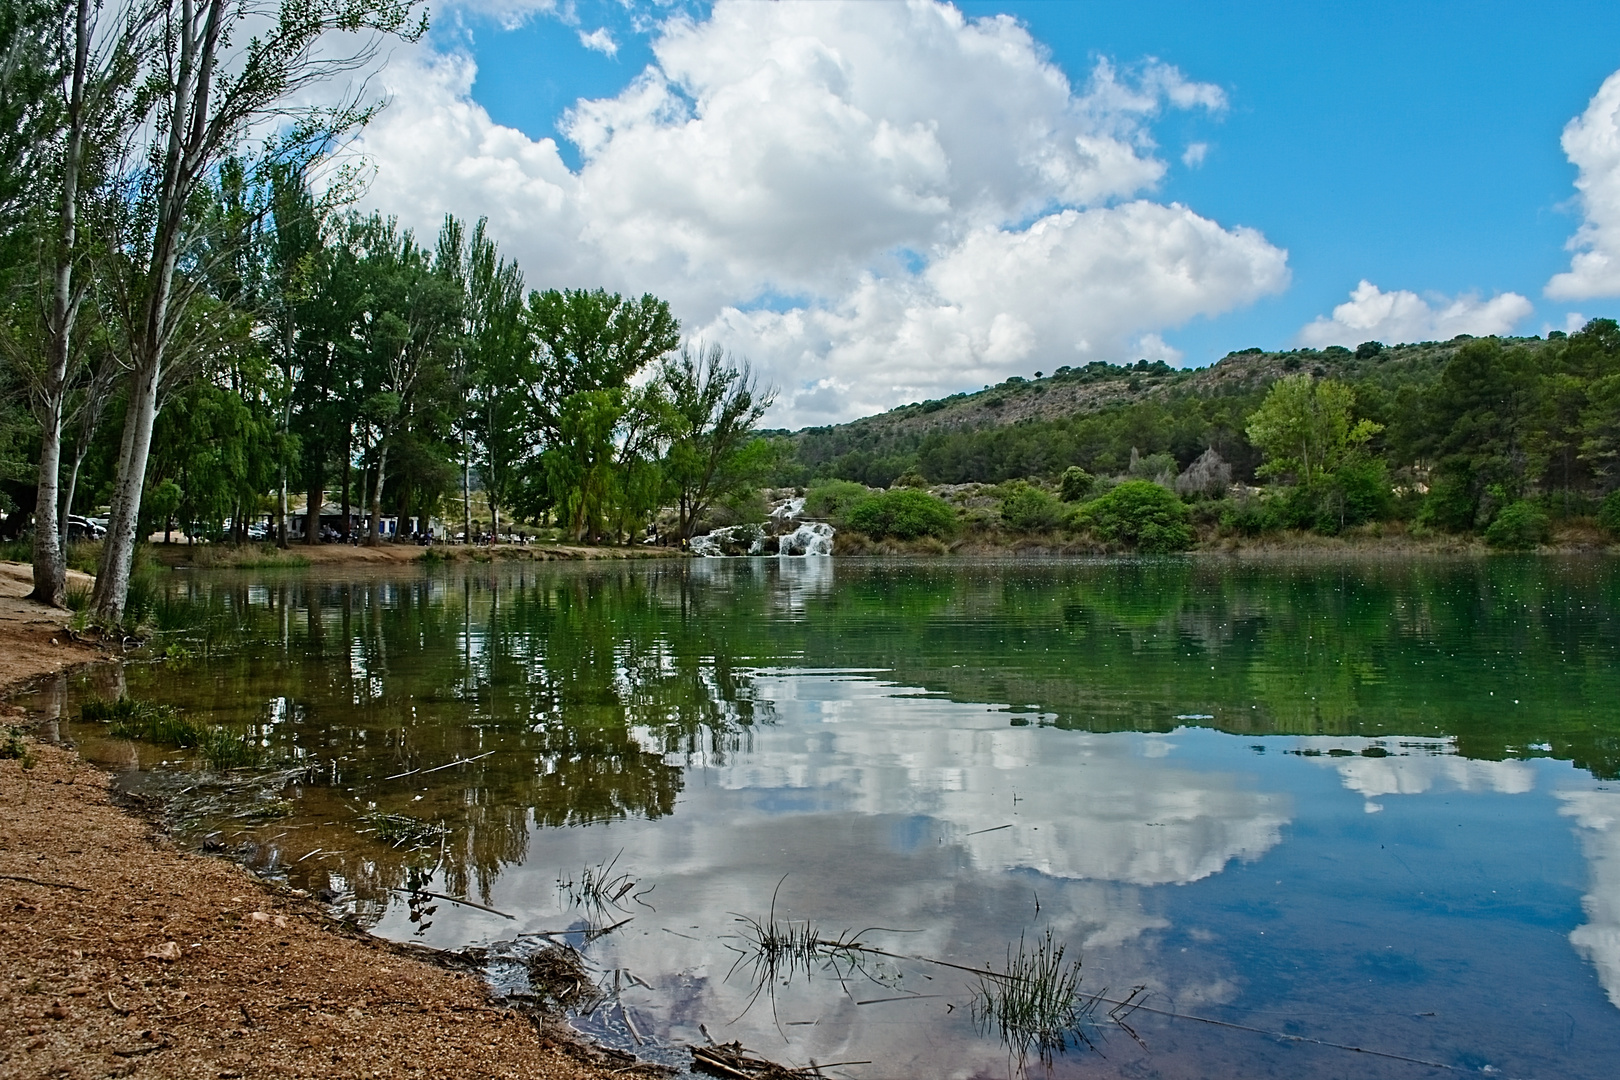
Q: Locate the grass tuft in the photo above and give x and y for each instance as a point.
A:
(599, 887)
(162, 725)
(1035, 1002)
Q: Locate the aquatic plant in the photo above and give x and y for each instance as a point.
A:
(224, 749)
(599, 886)
(402, 830)
(1035, 1003)
(162, 725)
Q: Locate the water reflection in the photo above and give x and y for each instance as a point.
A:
(1173, 766)
(1597, 817)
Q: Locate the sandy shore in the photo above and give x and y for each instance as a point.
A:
(121, 955)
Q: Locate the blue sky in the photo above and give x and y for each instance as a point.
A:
(1415, 147)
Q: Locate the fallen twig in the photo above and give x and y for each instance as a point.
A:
(46, 884)
(454, 900)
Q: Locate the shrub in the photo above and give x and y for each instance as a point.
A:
(904, 513)
(1249, 516)
(1076, 484)
(1160, 467)
(911, 478)
(1609, 513)
(1139, 514)
(1026, 508)
(1520, 527)
(831, 500)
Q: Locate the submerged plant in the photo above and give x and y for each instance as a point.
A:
(147, 721)
(402, 830)
(162, 725)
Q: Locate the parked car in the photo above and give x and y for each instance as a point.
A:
(83, 529)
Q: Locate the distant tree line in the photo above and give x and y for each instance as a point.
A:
(194, 328)
(1489, 436)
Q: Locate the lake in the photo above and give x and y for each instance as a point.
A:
(1316, 805)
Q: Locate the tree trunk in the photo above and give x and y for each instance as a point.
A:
(281, 509)
(118, 552)
(50, 566)
(312, 512)
(348, 457)
(466, 488)
(72, 489)
(374, 536)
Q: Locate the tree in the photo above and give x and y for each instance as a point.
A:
(490, 355)
(585, 425)
(207, 92)
(1304, 428)
(712, 409)
(79, 72)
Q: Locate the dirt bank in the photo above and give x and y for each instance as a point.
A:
(32, 641)
(123, 956)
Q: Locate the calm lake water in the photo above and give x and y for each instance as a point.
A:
(1363, 803)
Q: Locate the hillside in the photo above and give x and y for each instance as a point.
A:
(892, 438)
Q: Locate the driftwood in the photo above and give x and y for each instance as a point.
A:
(730, 1060)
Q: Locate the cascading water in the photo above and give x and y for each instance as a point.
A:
(810, 538)
(783, 534)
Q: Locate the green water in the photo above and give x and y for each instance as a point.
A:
(1361, 803)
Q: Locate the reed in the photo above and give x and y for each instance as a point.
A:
(1035, 1003)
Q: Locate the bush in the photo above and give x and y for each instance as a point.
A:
(1249, 516)
(904, 513)
(1139, 514)
(1520, 527)
(1609, 513)
(1026, 508)
(910, 479)
(832, 500)
(1076, 484)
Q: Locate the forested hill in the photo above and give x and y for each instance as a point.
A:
(1096, 415)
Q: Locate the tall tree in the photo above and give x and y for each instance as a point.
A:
(713, 407)
(208, 94)
(1304, 427)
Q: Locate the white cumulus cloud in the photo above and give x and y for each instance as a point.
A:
(1402, 316)
(1592, 143)
(871, 202)
(599, 40)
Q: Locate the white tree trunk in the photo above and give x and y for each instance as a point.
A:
(374, 536)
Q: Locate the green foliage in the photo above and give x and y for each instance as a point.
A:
(1519, 527)
(711, 407)
(1138, 514)
(911, 478)
(1608, 514)
(1304, 428)
(162, 725)
(1250, 516)
(14, 747)
(903, 513)
(1076, 484)
(832, 500)
(1026, 508)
